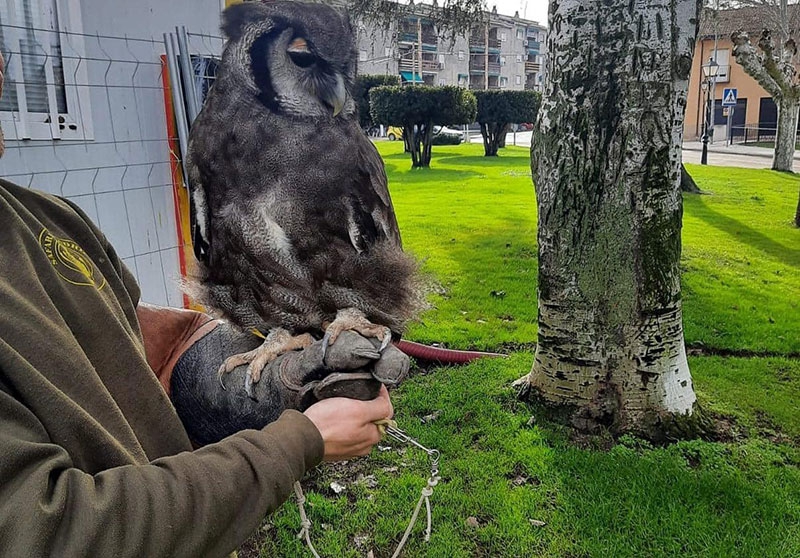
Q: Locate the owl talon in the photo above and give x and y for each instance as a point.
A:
(278, 342)
(248, 386)
(355, 320)
(387, 338)
(326, 340)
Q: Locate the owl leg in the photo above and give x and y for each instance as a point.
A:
(355, 320)
(278, 342)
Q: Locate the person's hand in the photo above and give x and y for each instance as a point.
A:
(347, 425)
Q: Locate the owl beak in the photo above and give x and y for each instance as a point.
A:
(336, 96)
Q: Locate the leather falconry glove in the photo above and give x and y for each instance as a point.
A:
(352, 367)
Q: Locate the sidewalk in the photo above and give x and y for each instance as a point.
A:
(735, 155)
(719, 154)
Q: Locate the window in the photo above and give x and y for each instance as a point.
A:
(503, 82)
(461, 55)
(518, 80)
(442, 82)
(41, 98)
(722, 57)
(519, 58)
(387, 52)
(520, 33)
(502, 36)
(362, 55)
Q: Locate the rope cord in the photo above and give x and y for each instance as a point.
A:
(305, 523)
(427, 491)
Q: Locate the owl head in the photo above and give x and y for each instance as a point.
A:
(294, 58)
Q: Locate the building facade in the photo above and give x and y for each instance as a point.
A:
(504, 53)
(755, 115)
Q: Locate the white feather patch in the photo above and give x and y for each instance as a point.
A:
(201, 210)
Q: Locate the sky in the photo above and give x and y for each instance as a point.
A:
(536, 9)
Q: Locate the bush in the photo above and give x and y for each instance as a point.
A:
(445, 139)
(417, 109)
(361, 94)
(498, 109)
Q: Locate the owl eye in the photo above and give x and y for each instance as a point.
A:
(302, 59)
(300, 53)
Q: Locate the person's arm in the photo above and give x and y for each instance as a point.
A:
(201, 503)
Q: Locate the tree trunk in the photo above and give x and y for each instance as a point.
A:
(421, 136)
(503, 133)
(491, 138)
(407, 140)
(687, 182)
(797, 213)
(411, 132)
(786, 136)
(427, 137)
(606, 164)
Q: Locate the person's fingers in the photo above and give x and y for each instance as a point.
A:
(378, 408)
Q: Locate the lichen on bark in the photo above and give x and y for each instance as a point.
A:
(606, 165)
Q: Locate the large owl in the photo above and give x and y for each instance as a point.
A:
(293, 225)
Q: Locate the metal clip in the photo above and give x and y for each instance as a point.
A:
(401, 436)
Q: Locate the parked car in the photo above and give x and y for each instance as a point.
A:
(442, 135)
(394, 133)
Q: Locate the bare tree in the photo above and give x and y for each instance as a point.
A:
(607, 166)
(773, 63)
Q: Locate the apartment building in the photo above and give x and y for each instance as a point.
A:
(503, 53)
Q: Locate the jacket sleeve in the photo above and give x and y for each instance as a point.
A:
(200, 503)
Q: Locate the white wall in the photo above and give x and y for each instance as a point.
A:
(119, 173)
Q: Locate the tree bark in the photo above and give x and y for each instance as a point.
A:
(786, 136)
(687, 182)
(606, 165)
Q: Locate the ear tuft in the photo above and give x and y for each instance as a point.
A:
(236, 18)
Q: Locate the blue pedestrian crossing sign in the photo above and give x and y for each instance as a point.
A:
(729, 97)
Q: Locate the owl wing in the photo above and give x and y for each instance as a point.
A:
(370, 215)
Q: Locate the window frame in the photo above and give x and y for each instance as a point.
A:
(724, 71)
(76, 122)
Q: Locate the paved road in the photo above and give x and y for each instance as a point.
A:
(718, 154)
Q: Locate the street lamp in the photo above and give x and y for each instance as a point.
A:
(709, 76)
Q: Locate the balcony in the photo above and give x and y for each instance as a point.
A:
(532, 67)
(533, 45)
(479, 41)
(478, 65)
(409, 36)
(409, 65)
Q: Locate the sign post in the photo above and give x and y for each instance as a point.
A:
(729, 95)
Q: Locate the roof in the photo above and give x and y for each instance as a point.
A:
(750, 19)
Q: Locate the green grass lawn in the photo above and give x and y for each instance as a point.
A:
(473, 222)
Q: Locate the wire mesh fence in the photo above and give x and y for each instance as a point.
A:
(87, 117)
